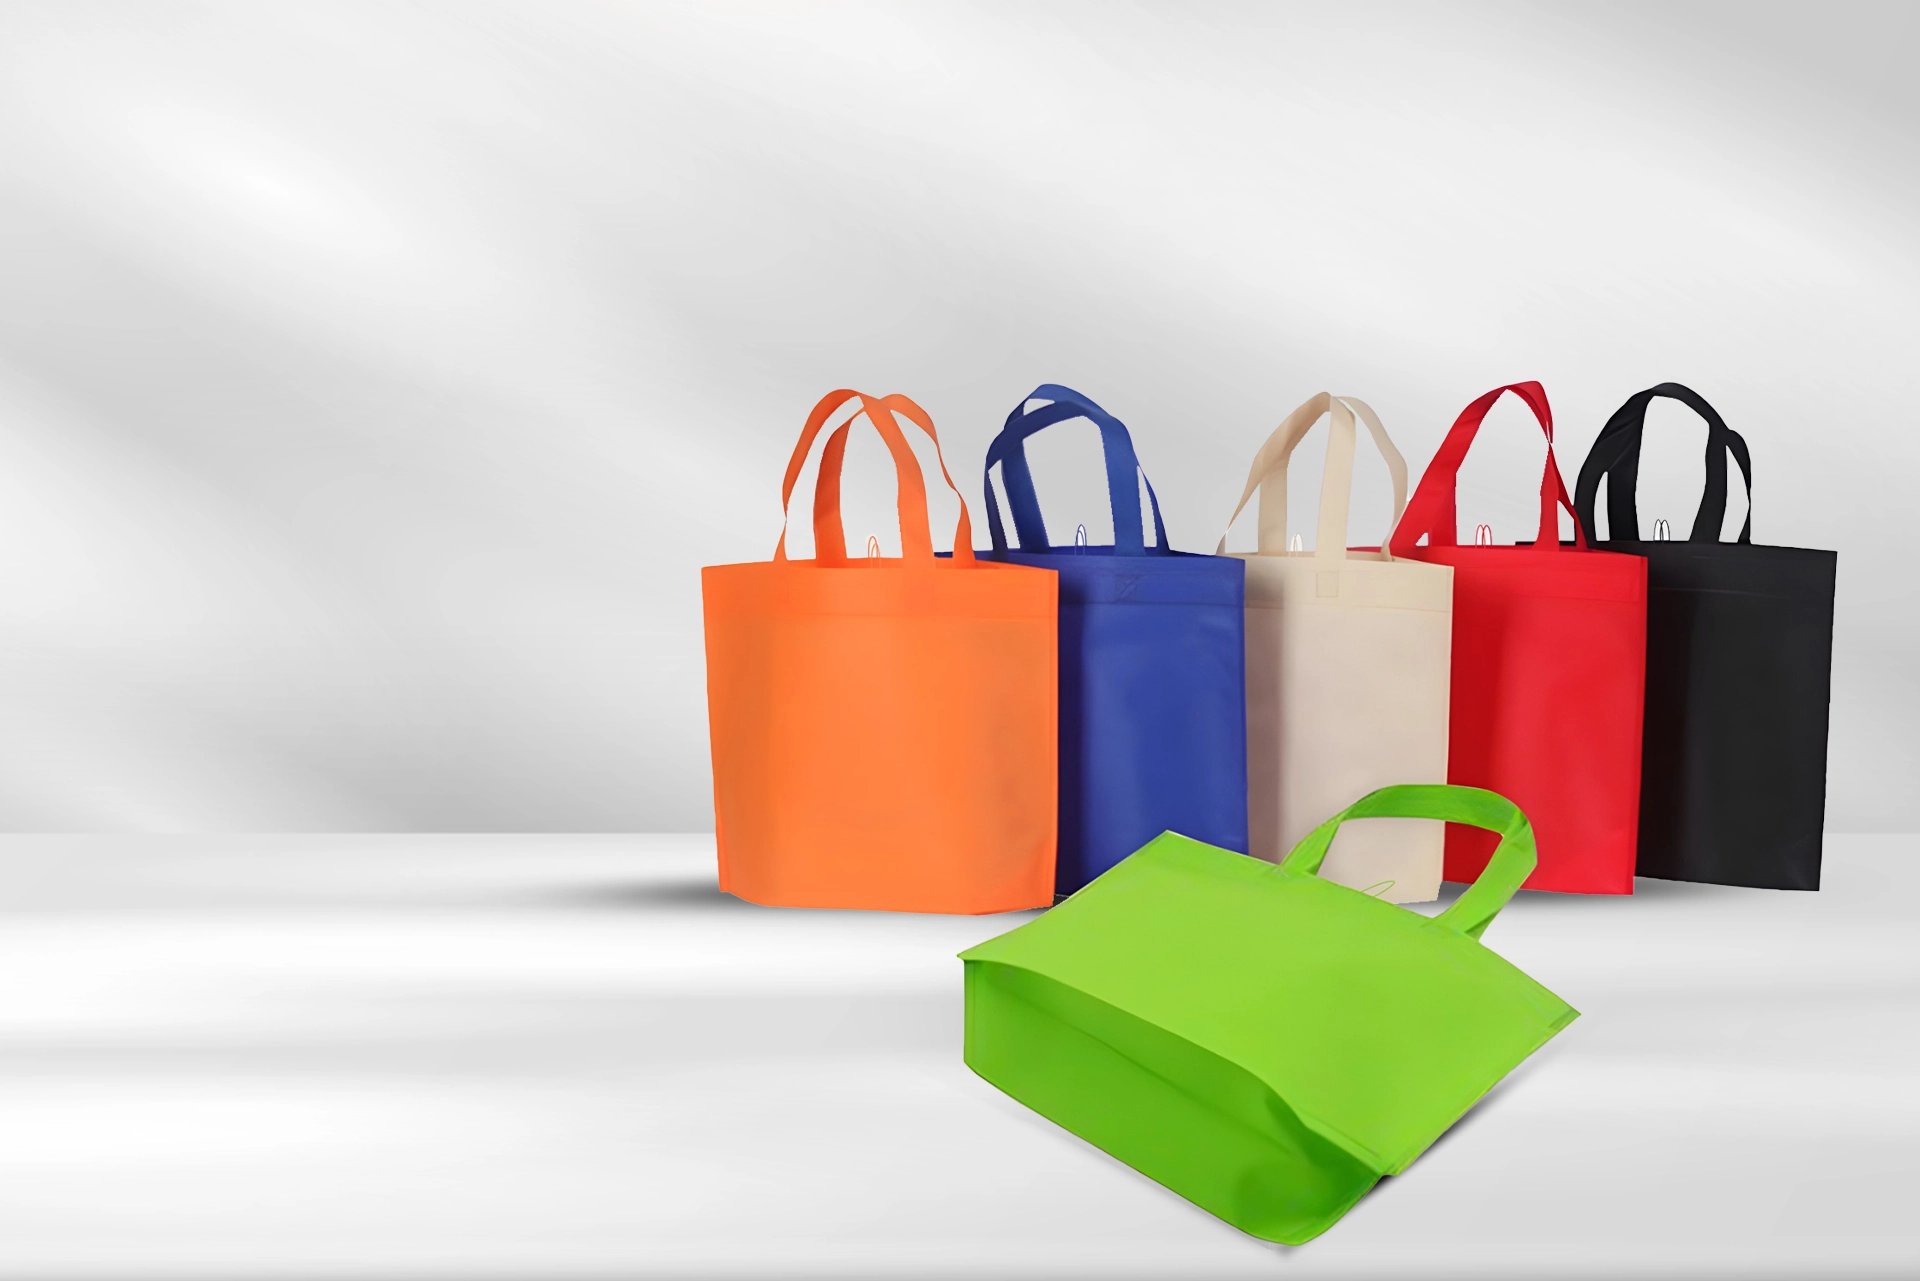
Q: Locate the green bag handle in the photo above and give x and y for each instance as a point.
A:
(1512, 861)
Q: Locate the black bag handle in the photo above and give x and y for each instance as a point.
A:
(1615, 458)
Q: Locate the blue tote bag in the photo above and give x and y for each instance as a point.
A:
(1153, 695)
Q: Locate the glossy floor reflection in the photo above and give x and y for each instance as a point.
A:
(565, 1056)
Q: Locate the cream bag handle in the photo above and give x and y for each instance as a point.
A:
(1268, 476)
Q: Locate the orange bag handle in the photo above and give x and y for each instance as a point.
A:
(829, 537)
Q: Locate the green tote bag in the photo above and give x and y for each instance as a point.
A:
(1266, 1043)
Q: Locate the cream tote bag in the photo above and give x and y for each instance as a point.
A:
(1348, 665)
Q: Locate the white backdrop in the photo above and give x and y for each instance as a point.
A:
(374, 380)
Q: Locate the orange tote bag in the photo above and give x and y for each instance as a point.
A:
(884, 731)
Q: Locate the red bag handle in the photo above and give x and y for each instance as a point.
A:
(829, 538)
(1432, 510)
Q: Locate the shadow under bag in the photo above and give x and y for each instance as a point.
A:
(883, 730)
(1739, 665)
(1263, 1041)
(1153, 705)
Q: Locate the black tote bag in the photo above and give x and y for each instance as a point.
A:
(1739, 663)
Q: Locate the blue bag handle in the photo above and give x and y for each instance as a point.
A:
(1009, 450)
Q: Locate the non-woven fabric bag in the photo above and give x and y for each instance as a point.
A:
(1733, 780)
(883, 729)
(1262, 1041)
(1347, 669)
(1549, 665)
(1153, 729)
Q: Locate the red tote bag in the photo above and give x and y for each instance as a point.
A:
(1549, 673)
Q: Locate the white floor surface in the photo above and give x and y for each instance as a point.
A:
(559, 1056)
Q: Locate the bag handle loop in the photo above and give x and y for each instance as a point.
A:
(1615, 458)
(1511, 864)
(1268, 476)
(1124, 475)
(829, 537)
(1433, 511)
